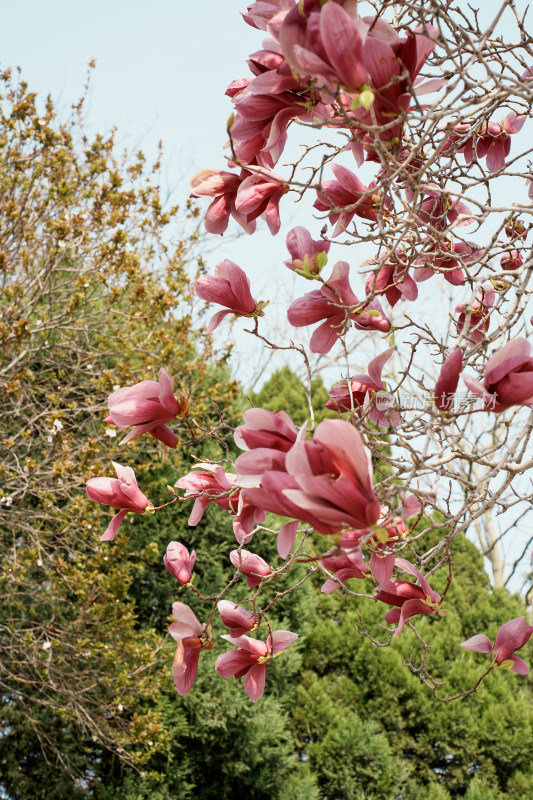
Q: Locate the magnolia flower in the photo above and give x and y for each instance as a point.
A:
(211, 484)
(191, 637)
(337, 305)
(511, 636)
(494, 140)
(266, 436)
(368, 393)
(236, 618)
(347, 192)
(508, 379)
(464, 136)
(448, 380)
(178, 562)
(251, 565)
(345, 565)
(511, 261)
(308, 257)
(121, 492)
(392, 279)
(251, 658)
(259, 194)
(474, 318)
(148, 406)
(334, 476)
(229, 287)
(223, 187)
(412, 599)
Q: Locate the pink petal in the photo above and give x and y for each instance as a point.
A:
(281, 640)
(254, 682)
(480, 643)
(286, 538)
(187, 623)
(113, 527)
(519, 665)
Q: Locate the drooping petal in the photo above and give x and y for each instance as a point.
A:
(254, 682)
(111, 530)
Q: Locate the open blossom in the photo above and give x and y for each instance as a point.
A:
(259, 194)
(308, 257)
(511, 261)
(463, 135)
(251, 565)
(392, 279)
(448, 380)
(229, 287)
(223, 187)
(347, 192)
(192, 637)
(337, 305)
(440, 210)
(148, 406)
(474, 318)
(508, 379)
(266, 436)
(209, 483)
(494, 140)
(447, 257)
(250, 659)
(236, 618)
(515, 229)
(121, 492)
(365, 389)
(412, 599)
(179, 562)
(334, 476)
(345, 565)
(511, 636)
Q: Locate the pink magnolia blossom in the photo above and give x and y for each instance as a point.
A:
(446, 257)
(392, 279)
(347, 197)
(345, 565)
(463, 135)
(121, 492)
(209, 483)
(334, 476)
(335, 303)
(365, 390)
(271, 496)
(251, 658)
(448, 380)
(511, 261)
(412, 599)
(179, 562)
(223, 187)
(474, 318)
(192, 637)
(266, 436)
(259, 14)
(441, 211)
(236, 618)
(308, 257)
(265, 107)
(529, 184)
(508, 379)
(494, 140)
(229, 287)
(515, 229)
(251, 565)
(148, 406)
(259, 194)
(511, 636)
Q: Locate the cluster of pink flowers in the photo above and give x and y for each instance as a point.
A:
(325, 66)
